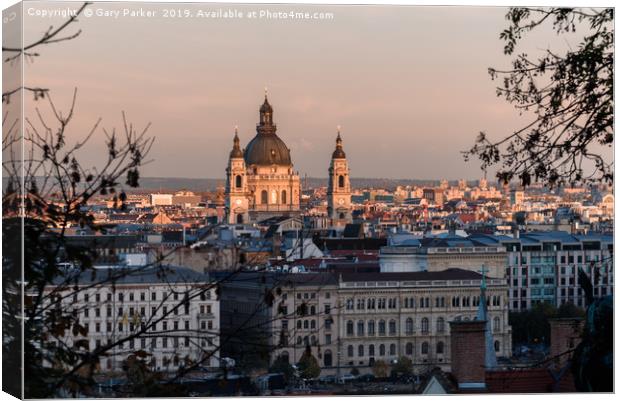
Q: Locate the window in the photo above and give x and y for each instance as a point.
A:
(360, 328)
(349, 304)
(284, 200)
(327, 358)
(424, 325)
(371, 350)
(371, 328)
(327, 309)
(409, 326)
(440, 347)
(496, 346)
(409, 349)
(153, 296)
(441, 325)
(238, 181)
(381, 327)
(496, 324)
(341, 181)
(360, 350)
(350, 328)
(382, 350)
(425, 348)
(350, 351)
(328, 339)
(392, 349)
(392, 327)
(371, 303)
(264, 198)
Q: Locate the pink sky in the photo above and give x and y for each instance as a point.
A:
(408, 85)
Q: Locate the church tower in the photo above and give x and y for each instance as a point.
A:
(339, 189)
(236, 185)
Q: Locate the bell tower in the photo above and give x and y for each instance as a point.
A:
(236, 185)
(339, 189)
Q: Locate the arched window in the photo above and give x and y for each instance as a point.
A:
(341, 216)
(409, 326)
(381, 350)
(313, 340)
(284, 356)
(299, 340)
(496, 346)
(350, 327)
(392, 327)
(440, 347)
(424, 325)
(284, 200)
(496, 324)
(305, 324)
(425, 348)
(441, 325)
(371, 350)
(238, 181)
(381, 327)
(392, 349)
(306, 340)
(409, 349)
(327, 358)
(239, 219)
(299, 324)
(350, 351)
(341, 181)
(264, 197)
(360, 328)
(313, 310)
(360, 350)
(371, 328)
(313, 324)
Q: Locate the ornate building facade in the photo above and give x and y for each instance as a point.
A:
(339, 188)
(260, 181)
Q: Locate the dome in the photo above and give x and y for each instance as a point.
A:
(267, 149)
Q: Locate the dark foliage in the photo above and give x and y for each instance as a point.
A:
(570, 96)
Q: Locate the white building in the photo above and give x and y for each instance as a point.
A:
(172, 313)
(160, 199)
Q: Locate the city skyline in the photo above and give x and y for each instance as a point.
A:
(408, 103)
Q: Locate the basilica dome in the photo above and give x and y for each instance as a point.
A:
(267, 149)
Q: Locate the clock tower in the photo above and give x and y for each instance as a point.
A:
(339, 189)
(236, 185)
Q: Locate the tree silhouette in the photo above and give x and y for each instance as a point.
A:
(570, 96)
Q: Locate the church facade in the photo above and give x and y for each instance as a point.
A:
(261, 182)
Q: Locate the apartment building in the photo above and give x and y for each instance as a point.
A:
(355, 319)
(170, 312)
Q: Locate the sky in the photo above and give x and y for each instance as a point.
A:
(407, 84)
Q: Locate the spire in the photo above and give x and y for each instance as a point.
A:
(266, 112)
(236, 150)
(338, 153)
(490, 360)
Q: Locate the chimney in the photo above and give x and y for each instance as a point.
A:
(565, 335)
(467, 348)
